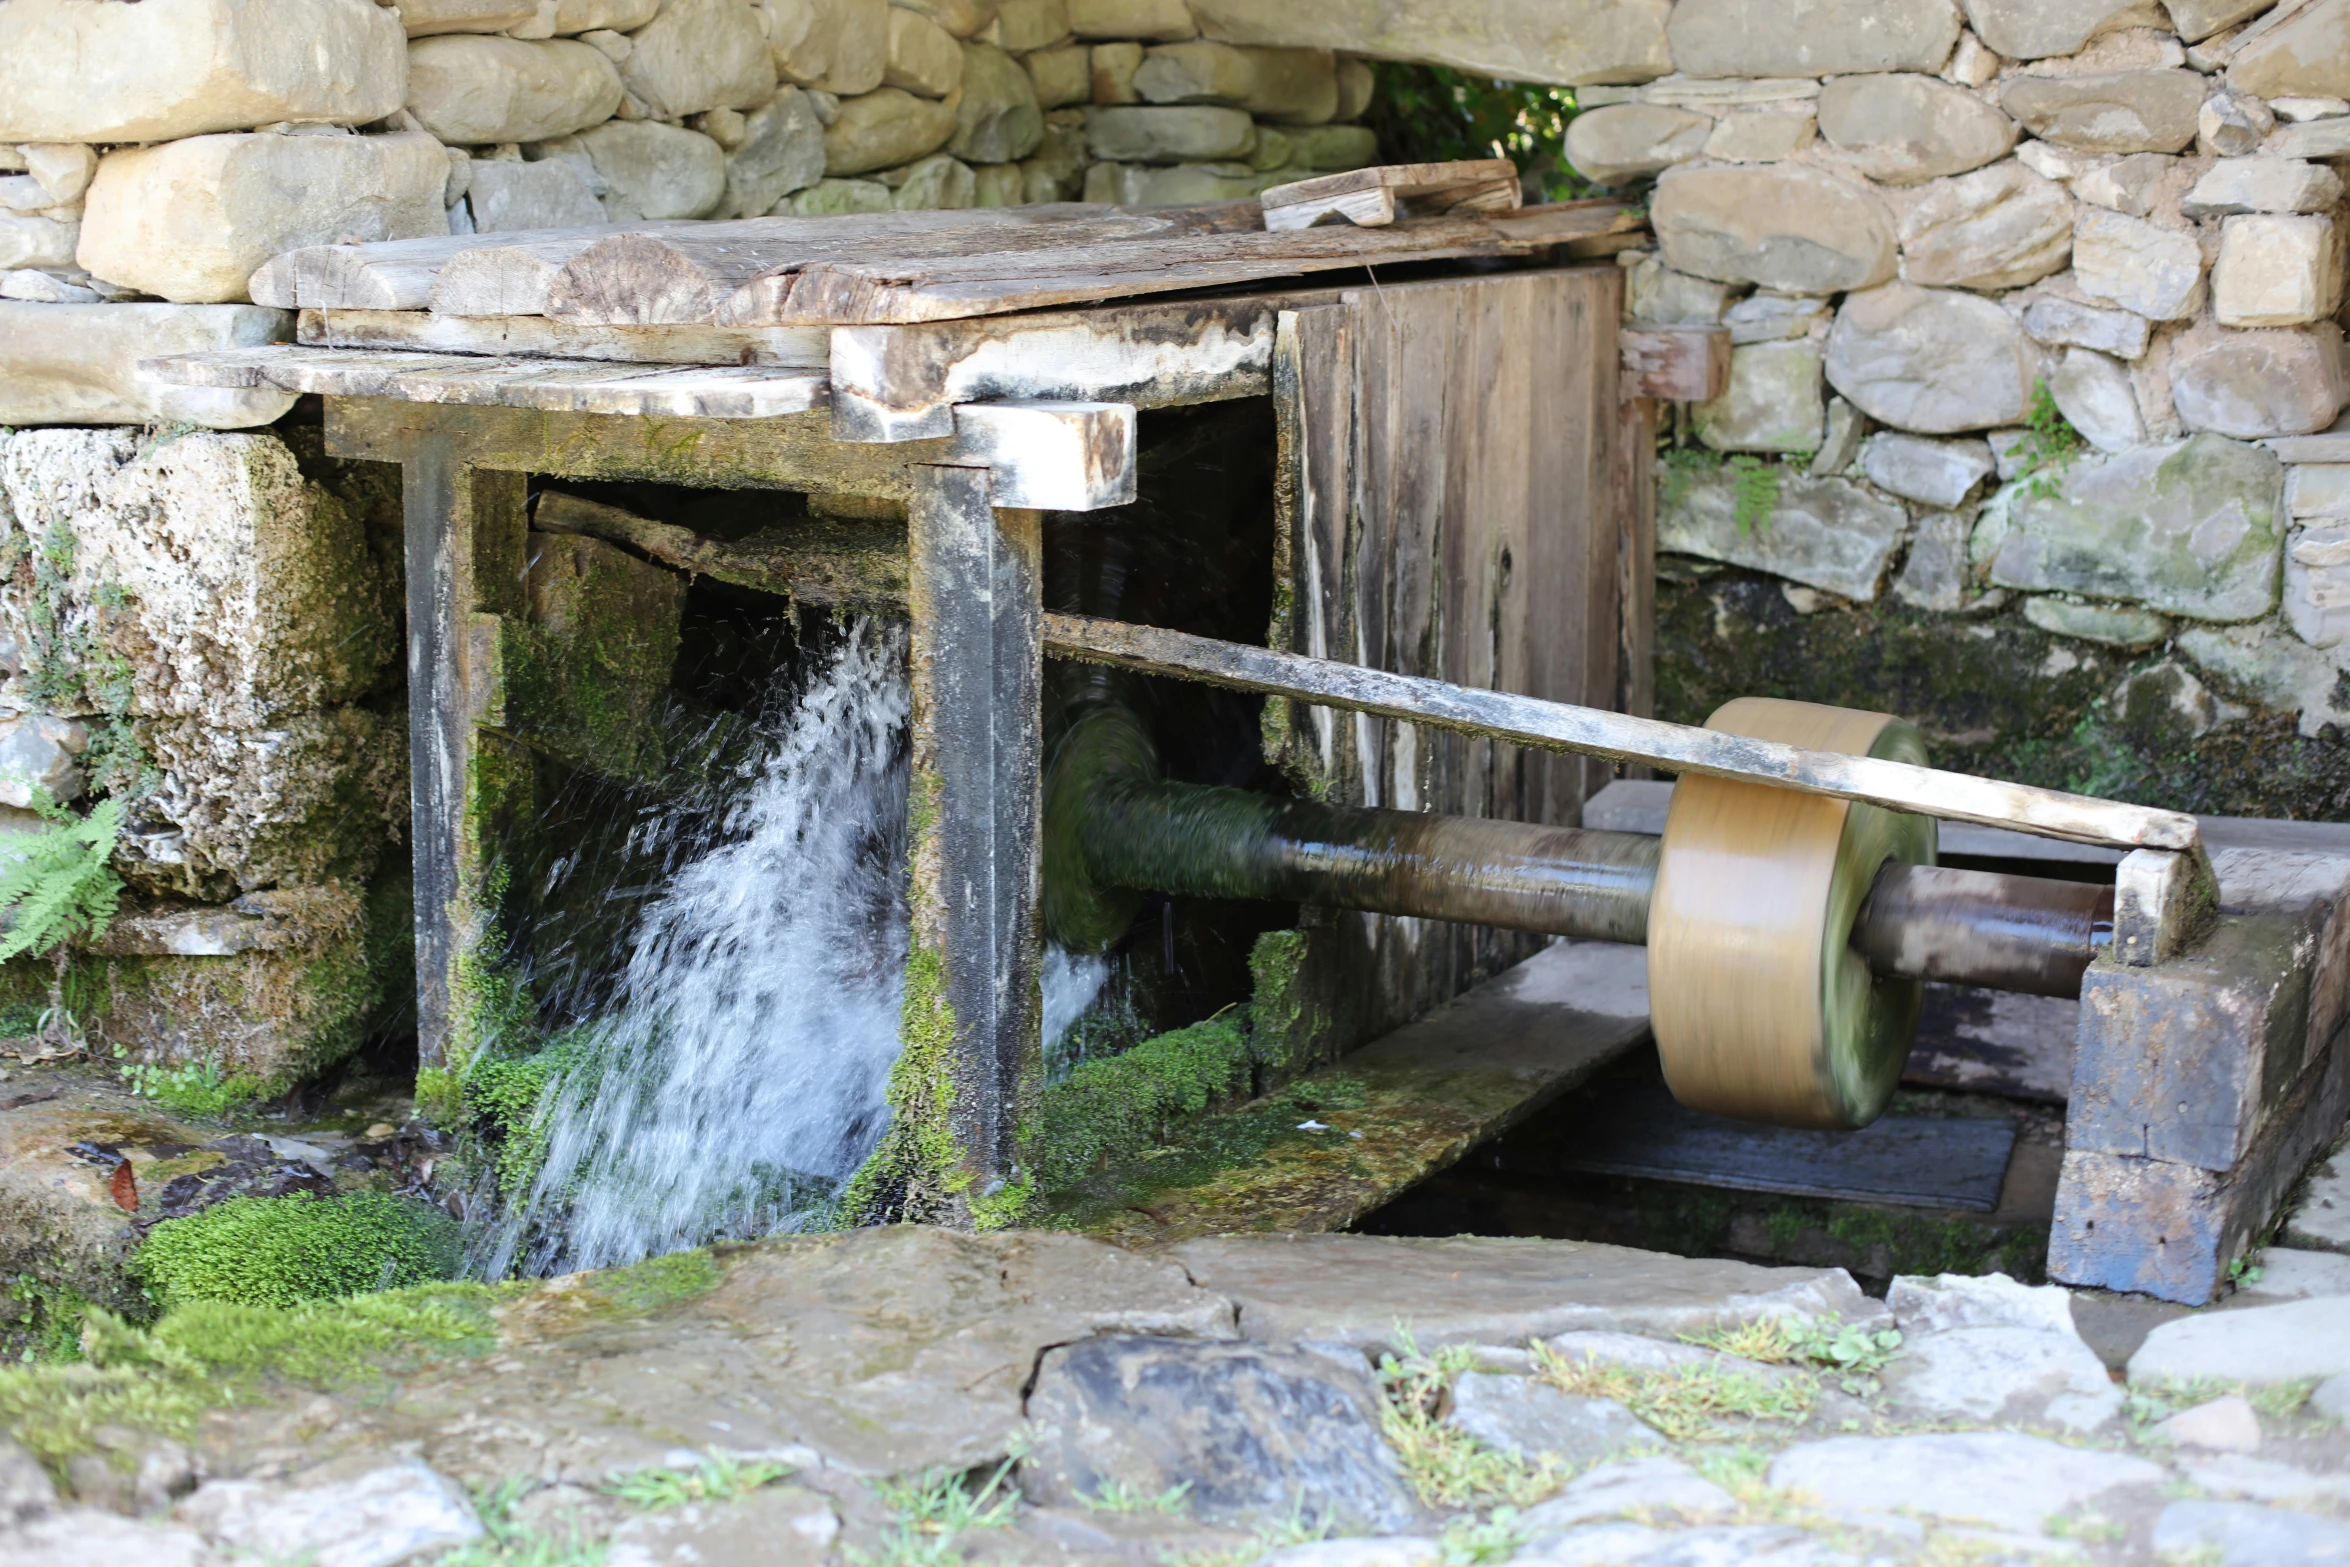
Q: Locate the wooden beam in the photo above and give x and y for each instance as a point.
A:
(1689, 364)
(1377, 196)
(554, 386)
(1620, 737)
(1054, 456)
(536, 337)
(862, 566)
(975, 587)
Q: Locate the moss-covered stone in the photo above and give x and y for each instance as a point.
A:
(280, 1251)
(1993, 695)
(1114, 1108)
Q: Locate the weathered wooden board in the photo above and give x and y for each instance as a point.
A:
(643, 279)
(1443, 509)
(536, 337)
(952, 287)
(1679, 364)
(815, 562)
(555, 386)
(1377, 196)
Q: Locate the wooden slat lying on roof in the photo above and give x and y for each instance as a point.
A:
(392, 274)
(1377, 196)
(643, 279)
(691, 391)
(535, 337)
(949, 288)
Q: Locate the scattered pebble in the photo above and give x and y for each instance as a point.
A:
(2224, 1425)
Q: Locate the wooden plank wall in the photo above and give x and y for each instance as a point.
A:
(1455, 500)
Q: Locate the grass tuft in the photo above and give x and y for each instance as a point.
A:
(1447, 1466)
(716, 1478)
(1685, 1403)
(932, 1511)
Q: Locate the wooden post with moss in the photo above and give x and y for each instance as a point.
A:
(972, 1010)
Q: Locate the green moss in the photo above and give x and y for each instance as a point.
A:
(46, 1325)
(279, 1251)
(213, 1355)
(196, 1088)
(656, 1282)
(1913, 1244)
(505, 1103)
(917, 1168)
(1110, 1109)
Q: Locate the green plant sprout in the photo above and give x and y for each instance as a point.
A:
(196, 1088)
(933, 1510)
(1754, 488)
(509, 1542)
(59, 887)
(1117, 1496)
(2048, 447)
(1449, 1467)
(717, 1478)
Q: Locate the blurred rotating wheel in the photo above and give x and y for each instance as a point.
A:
(1760, 1007)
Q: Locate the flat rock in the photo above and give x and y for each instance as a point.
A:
(2307, 56)
(81, 1535)
(1354, 1289)
(1529, 1417)
(34, 239)
(2179, 693)
(170, 68)
(775, 1526)
(379, 1519)
(782, 151)
(1656, 294)
(2263, 1480)
(2127, 111)
(78, 364)
(423, 18)
(1993, 1375)
(923, 57)
(1627, 141)
(1996, 228)
(2000, 1478)
(1720, 1545)
(1762, 135)
(1931, 360)
(2239, 1534)
(1391, 1550)
(2332, 1399)
(2156, 272)
(836, 46)
(471, 90)
(1639, 1486)
(2276, 269)
(2098, 397)
(1773, 402)
(1824, 533)
(1174, 133)
(1936, 573)
(551, 193)
(1571, 42)
(2067, 323)
(2037, 29)
(1901, 127)
(1832, 38)
(2289, 1274)
(1784, 226)
(1936, 473)
(2277, 667)
(651, 170)
(2192, 528)
(1766, 318)
(997, 119)
(885, 129)
(2131, 184)
(700, 54)
(2259, 384)
(2220, 1425)
(2258, 1345)
(1257, 1433)
(1960, 1300)
(193, 220)
(2317, 607)
(2262, 185)
(2322, 1217)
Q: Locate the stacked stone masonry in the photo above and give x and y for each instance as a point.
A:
(190, 616)
(1921, 218)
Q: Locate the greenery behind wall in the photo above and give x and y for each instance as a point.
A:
(1432, 114)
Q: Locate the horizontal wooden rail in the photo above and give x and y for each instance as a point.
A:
(1677, 748)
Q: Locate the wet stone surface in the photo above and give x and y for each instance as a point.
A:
(906, 1395)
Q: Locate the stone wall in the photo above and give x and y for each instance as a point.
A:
(2034, 310)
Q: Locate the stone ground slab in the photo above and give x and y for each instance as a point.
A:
(2321, 1222)
(1999, 1478)
(2259, 1346)
(1527, 1417)
(1360, 1289)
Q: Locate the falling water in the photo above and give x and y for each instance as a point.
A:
(738, 1078)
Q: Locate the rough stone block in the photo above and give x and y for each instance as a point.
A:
(1021, 26)
(1060, 76)
(837, 46)
(1903, 128)
(1174, 134)
(1988, 1375)
(192, 220)
(1936, 574)
(1772, 404)
(551, 193)
(885, 129)
(424, 18)
(2192, 528)
(2259, 1346)
(1258, 1433)
(2003, 1479)
(2184, 697)
(1520, 1415)
(71, 71)
(697, 55)
(2066, 323)
(2129, 184)
(2274, 666)
(2127, 111)
(923, 57)
(586, 16)
(2314, 489)
(2097, 398)
(2257, 384)
(2317, 584)
(2037, 29)
(652, 170)
(1334, 147)
(2199, 19)
(1784, 226)
(238, 593)
(2277, 270)
(2235, 185)
(1762, 135)
(34, 239)
(78, 364)
(1935, 473)
(2322, 1218)
(1996, 228)
(2156, 272)
(782, 150)
(1286, 86)
(470, 90)
(1626, 141)
(1824, 533)
(1931, 360)
(997, 119)
(2307, 56)
(1832, 38)
(1570, 42)
(1156, 21)
(1765, 318)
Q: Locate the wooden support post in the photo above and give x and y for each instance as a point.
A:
(975, 596)
(465, 541)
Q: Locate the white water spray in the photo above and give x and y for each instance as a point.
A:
(739, 1075)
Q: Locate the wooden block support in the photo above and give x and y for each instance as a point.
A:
(1688, 364)
(1049, 455)
(1377, 196)
(975, 578)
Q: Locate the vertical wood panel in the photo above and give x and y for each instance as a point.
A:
(1451, 504)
